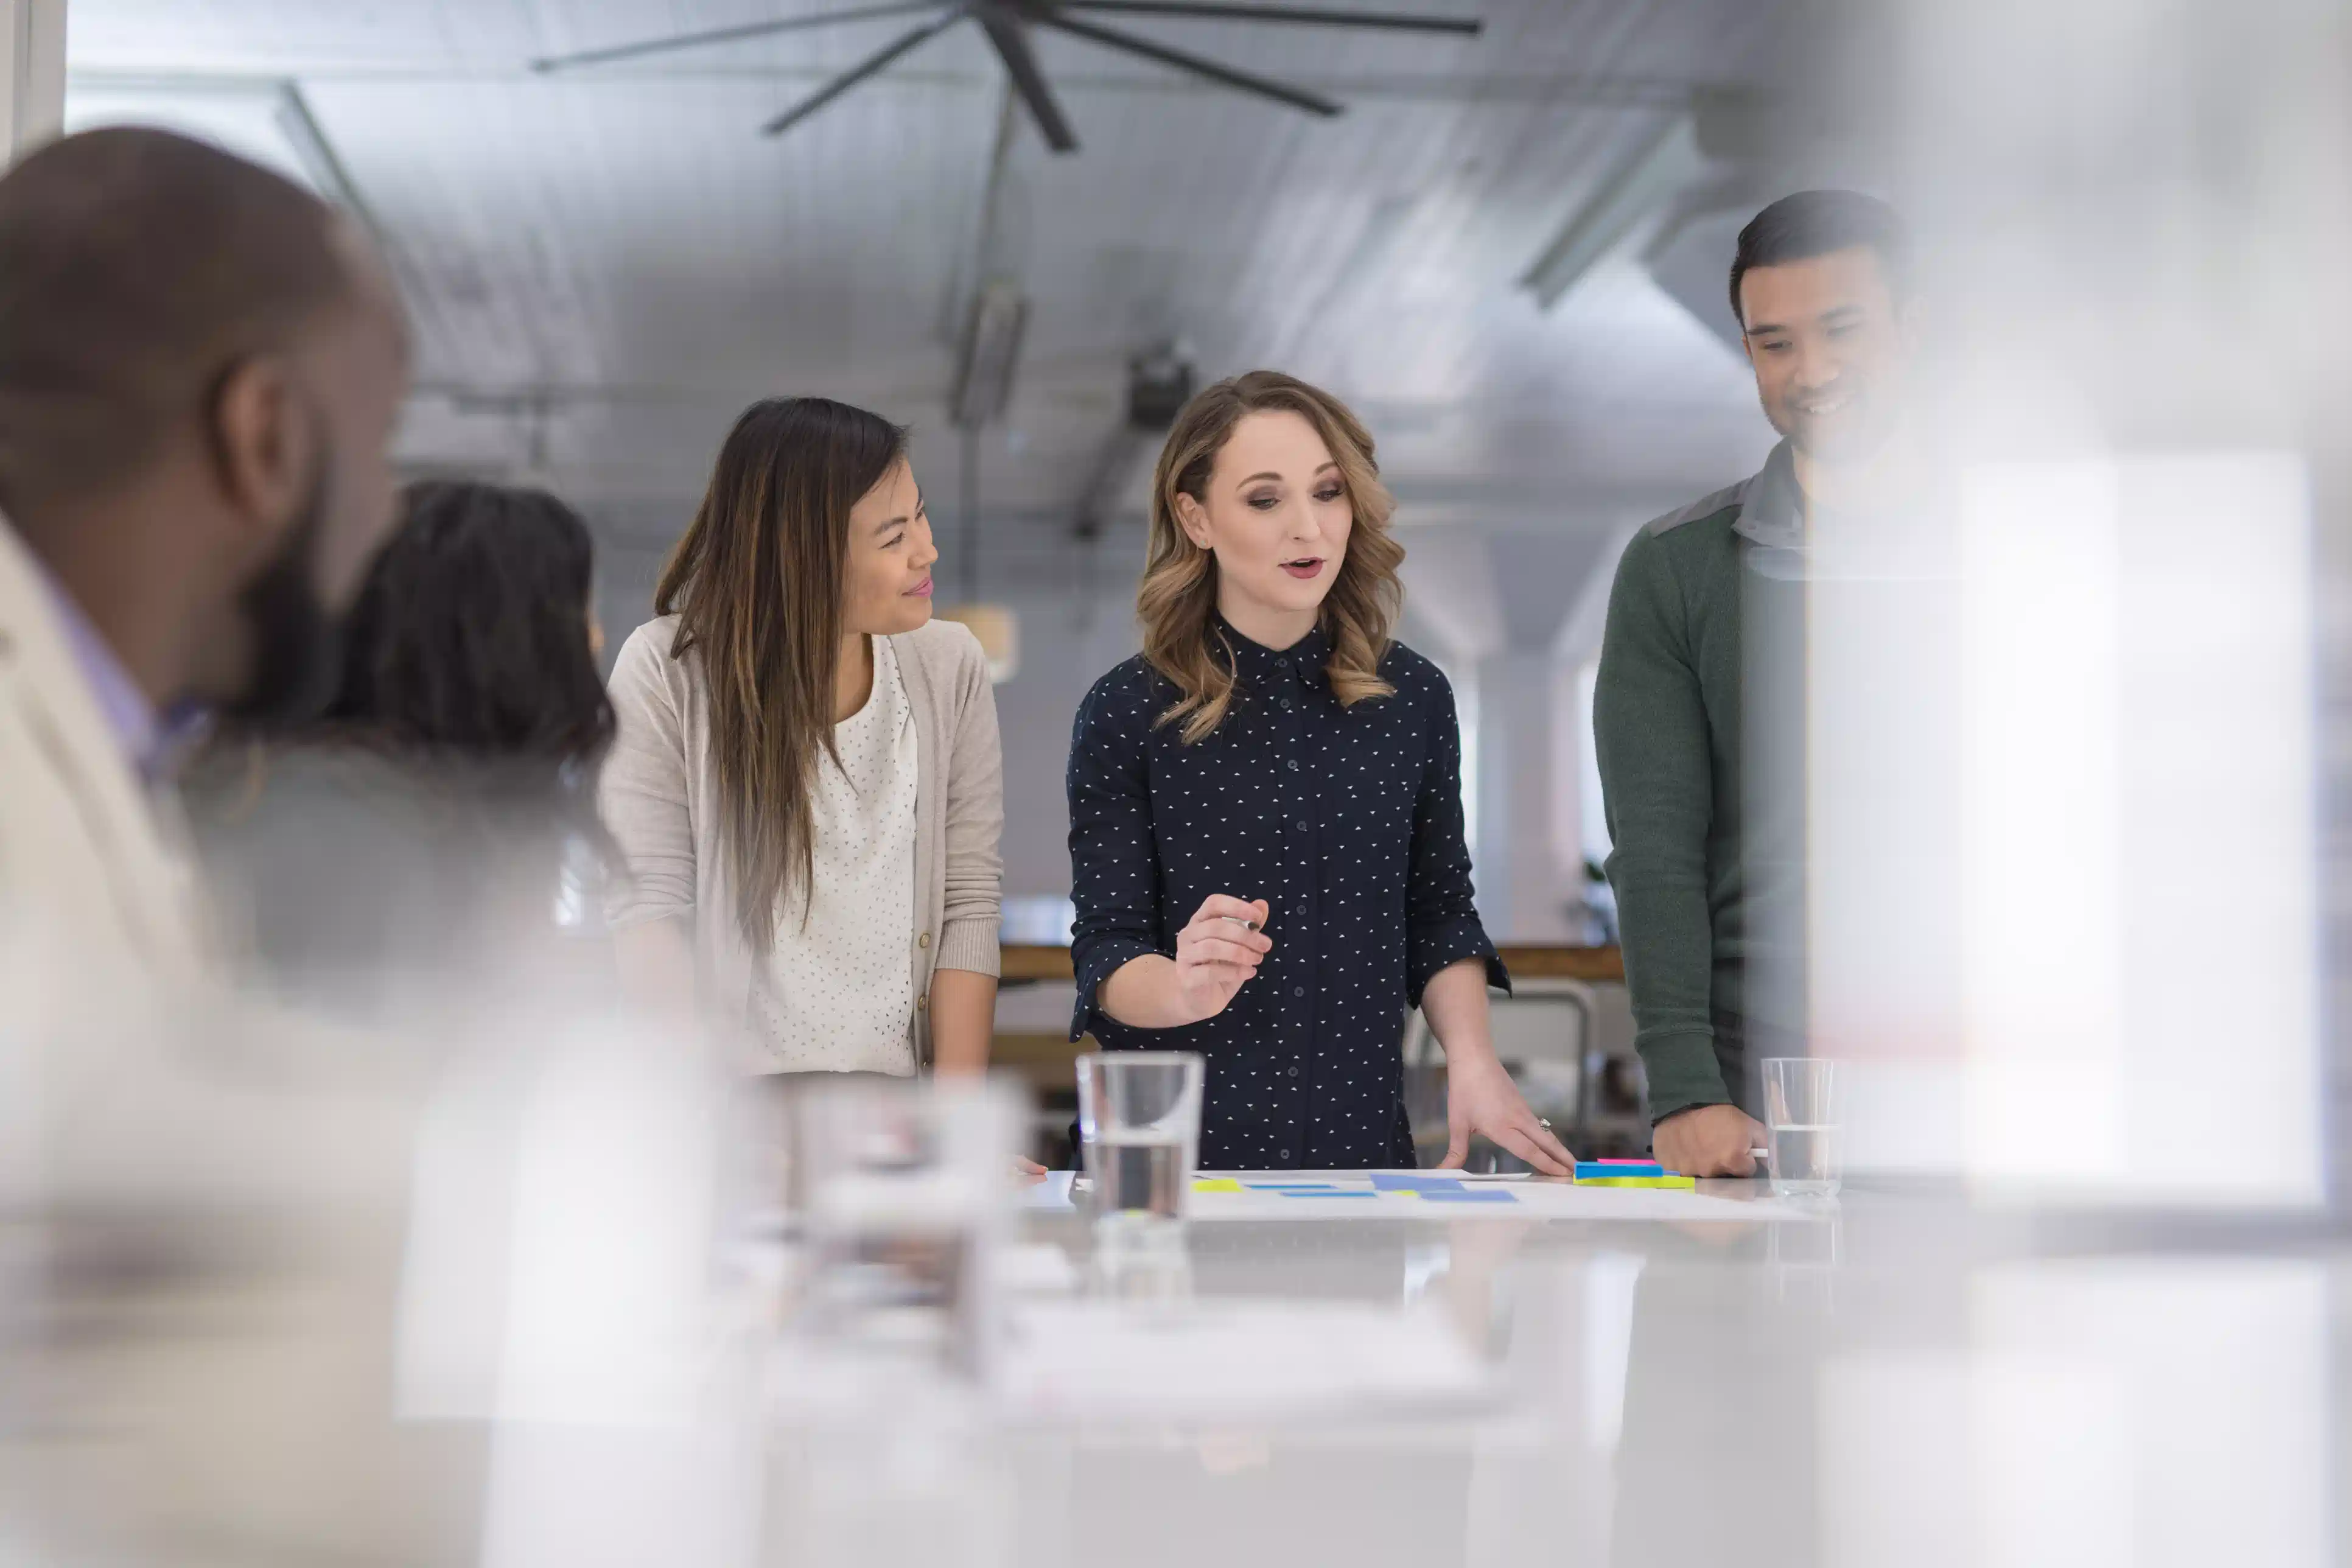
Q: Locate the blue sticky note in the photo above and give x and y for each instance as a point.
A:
(1471, 1195)
(1322, 1192)
(1586, 1170)
(1293, 1187)
(1387, 1183)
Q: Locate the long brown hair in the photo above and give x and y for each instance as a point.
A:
(756, 584)
(1178, 600)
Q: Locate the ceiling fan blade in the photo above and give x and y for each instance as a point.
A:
(872, 65)
(1469, 27)
(1224, 76)
(1011, 39)
(726, 35)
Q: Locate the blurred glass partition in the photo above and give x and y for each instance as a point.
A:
(2064, 762)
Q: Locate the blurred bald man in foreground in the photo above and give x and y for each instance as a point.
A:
(271, 1292)
(201, 1202)
(200, 364)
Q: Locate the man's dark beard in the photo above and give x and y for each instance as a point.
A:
(297, 647)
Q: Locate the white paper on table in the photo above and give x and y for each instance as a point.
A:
(1527, 1199)
(1051, 1196)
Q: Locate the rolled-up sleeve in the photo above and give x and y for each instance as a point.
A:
(1114, 863)
(975, 825)
(1442, 921)
(640, 790)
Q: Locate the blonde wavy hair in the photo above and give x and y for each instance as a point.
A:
(1177, 603)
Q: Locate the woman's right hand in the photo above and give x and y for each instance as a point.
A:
(1215, 957)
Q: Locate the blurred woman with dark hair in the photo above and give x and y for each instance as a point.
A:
(475, 635)
(413, 845)
(806, 787)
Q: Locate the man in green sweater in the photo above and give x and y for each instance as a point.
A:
(1698, 713)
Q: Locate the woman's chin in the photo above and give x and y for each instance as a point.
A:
(904, 616)
(1300, 593)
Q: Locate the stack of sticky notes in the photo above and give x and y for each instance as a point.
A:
(1628, 1174)
(1438, 1189)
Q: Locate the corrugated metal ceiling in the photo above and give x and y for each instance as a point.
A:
(606, 264)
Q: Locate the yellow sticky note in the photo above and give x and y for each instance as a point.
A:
(1215, 1184)
(1673, 1182)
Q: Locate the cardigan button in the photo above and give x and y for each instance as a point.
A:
(922, 1004)
(924, 940)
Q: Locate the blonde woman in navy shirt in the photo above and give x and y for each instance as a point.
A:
(1265, 809)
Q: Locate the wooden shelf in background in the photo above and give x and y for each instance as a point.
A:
(1046, 1060)
(1559, 961)
(1026, 961)
(1533, 961)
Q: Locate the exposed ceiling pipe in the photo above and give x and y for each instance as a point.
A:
(995, 319)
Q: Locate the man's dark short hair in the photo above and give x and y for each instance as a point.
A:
(1815, 223)
(137, 267)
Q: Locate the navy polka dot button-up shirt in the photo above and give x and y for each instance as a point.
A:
(1347, 822)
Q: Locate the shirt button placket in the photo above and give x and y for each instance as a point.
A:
(1305, 969)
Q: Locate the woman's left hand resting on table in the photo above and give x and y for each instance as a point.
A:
(1480, 1098)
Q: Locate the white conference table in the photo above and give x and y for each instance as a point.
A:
(1900, 1380)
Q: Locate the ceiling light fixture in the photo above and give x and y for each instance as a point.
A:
(1007, 24)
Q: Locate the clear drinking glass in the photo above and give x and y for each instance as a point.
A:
(1801, 1117)
(902, 1190)
(1140, 1125)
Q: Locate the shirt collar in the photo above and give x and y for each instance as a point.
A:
(1257, 664)
(128, 713)
(1774, 512)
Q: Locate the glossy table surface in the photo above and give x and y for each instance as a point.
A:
(1897, 1378)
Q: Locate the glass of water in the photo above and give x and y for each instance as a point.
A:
(1801, 1117)
(1140, 1124)
(904, 1200)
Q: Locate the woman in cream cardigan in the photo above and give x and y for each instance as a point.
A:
(806, 784)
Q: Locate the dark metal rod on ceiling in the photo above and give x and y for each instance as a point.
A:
(1010, 40)
(1224, 76)
(968, 569)
(729, 34)
(1468, 26)
(872, 65)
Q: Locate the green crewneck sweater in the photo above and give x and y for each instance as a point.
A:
(1706, 865)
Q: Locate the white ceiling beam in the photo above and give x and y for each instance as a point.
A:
(1622, 214)
(32, 73)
